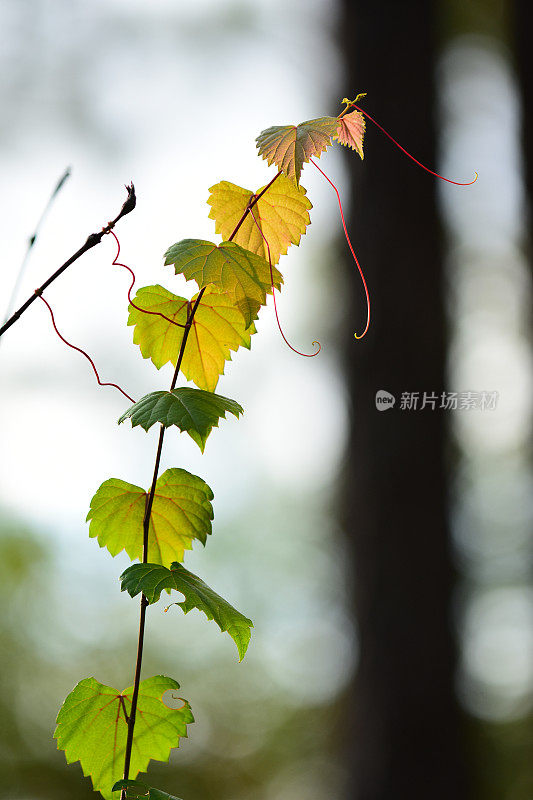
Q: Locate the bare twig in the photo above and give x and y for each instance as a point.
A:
(92, 240)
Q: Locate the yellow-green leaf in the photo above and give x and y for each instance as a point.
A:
(351, 131)
(92, 728)
(282, 214)
(218, 328)
(244, 276)
(181, 512)
(289, 146)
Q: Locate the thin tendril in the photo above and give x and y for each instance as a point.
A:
(117, 263)
(436, 174)
(306, 355)
(351, 250)
(87, 356)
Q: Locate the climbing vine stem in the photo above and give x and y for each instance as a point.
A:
(150, 500)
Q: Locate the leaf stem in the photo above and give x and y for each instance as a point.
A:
(251, 204)
(123, 704)
(92, 240)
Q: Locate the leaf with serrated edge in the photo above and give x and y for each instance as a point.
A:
(217, 329)
(92, 728)
(351, 131)
(289, 146)
(136, 790)
(181, 512)
(282, 214)
(192, 410)
(151, 579)
(243, 275)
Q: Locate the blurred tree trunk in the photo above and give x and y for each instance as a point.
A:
(404, 740)
(523, 28)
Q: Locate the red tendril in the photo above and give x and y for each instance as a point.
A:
(117, 263)
(436, 174)
(351, 250)
(305, 355)
(87, 356)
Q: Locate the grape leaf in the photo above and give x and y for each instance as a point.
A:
(282, 213)
(181, 512)
(217, 329)
(351, 131)
(244, 276)
(151, 579)
(191, 410)
(289, 146)
(135, 790)
(92, 728)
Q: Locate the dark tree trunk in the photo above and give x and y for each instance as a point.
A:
(523, 26)
(404, 741)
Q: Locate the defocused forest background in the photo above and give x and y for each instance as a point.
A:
(384, 557)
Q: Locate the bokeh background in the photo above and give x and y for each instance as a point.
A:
(385, 558)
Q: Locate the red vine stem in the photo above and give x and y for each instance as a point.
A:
(87, 356)
(306, 355)
(360, 336)
(117, 263)
(436, 174)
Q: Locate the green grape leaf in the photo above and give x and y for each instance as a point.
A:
(243, 275)
(351, 131)
(289, 146)
(136, 790)
(217, 329)
(282, 214)
(151, 579)
(181, 512)
(92, 728)
(191, 410)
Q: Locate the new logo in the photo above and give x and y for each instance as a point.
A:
(384, 400)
